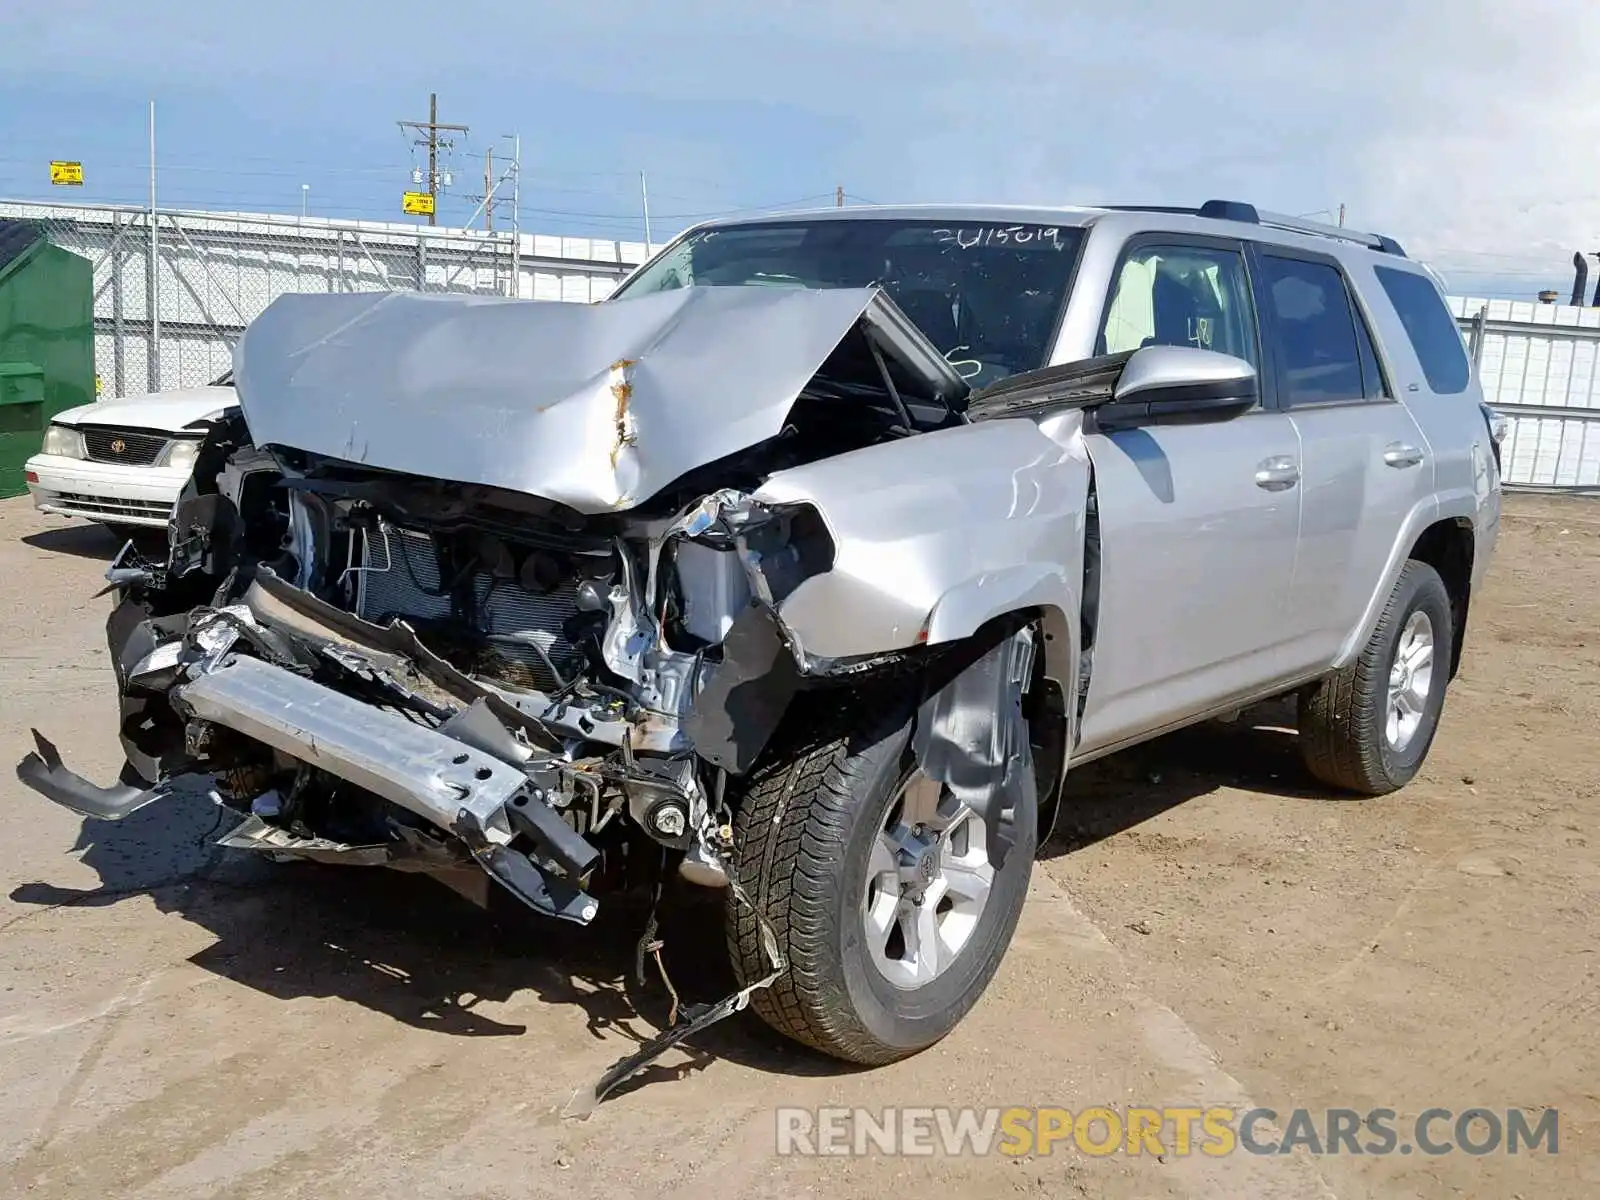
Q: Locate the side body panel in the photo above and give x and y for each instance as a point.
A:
(1365, 517)
(1464, 482)
(1366, 472)
(1359, 502)
(1198, 523)
(1195, 563)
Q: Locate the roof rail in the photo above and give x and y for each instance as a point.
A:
(1372, 241)
(1238, 210)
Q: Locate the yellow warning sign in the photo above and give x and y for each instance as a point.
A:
(66, 173)
(418, 204)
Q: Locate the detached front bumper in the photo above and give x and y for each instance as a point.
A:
(123, 495)
(484, 801)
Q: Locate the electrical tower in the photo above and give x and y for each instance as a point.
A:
(428, 135)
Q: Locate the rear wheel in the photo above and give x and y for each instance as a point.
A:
(1368, 728)
(887, 907)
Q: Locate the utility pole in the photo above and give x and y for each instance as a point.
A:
(152, 283)
(1341, 216)
(838, 196)
(516, 216)
(644, 196)
(488, 189)
(429, 131)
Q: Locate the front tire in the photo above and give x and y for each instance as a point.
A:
(1368, 728)
(886, 908)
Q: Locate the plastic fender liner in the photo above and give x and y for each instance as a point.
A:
(43, 771)
(736, 713)
(971, 735)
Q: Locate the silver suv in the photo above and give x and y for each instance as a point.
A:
(806, 567)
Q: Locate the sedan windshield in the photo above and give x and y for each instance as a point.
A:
(987, 294)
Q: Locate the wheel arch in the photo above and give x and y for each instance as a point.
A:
(1447, 542)
(1448, 546)
(1041, 595)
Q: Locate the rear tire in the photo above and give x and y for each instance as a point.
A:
(812, 835)
(1368, 728)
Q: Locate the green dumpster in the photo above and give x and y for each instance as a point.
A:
(46, 341)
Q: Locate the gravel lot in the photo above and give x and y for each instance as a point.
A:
(1207, 929)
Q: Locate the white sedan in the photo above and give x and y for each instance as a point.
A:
(123, 462)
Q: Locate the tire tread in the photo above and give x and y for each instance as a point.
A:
(1338, 713)
(782, 864)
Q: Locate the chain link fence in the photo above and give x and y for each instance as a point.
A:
(174, 289)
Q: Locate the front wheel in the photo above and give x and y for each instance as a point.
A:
(887, 906)
(1368, 728)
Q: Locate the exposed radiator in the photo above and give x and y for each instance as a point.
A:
(400, 577)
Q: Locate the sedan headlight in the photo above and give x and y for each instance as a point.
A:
(181, 454)
(62, 441)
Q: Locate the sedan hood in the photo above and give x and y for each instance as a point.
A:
(168, 412)
(597, 407)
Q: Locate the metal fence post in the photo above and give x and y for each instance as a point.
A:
(1480, 327)
(118, 358)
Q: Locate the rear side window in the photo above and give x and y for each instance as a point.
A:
(1320, 353)
(1430, 327)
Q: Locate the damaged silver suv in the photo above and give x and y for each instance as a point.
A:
(805, 567)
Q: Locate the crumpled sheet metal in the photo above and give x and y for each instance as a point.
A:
(971, 735)
(595, 406)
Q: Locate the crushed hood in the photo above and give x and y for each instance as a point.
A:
(596, 406)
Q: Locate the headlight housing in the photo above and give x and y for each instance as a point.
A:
(63, 441)
(181, 454)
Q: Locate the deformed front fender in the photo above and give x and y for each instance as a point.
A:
(937, 534)
(964, 608)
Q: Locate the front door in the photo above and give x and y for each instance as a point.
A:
(1198, 523)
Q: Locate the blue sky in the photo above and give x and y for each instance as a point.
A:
(1467, 129)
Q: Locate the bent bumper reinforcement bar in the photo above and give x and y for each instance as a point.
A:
(480, 798)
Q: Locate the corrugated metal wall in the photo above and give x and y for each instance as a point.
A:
(215, 272)
(1540, 365)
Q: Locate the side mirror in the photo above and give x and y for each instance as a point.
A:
(1164, 385)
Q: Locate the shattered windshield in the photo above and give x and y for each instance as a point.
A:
(987, 294)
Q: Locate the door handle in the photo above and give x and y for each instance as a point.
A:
(1278, 473)
(1399, 455)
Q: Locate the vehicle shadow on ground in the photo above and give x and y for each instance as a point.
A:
(411, 949)
(79, 541)
(1259, 752)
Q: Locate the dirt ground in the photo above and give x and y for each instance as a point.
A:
(1207, 928)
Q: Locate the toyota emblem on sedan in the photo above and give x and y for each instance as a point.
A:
(118, 445)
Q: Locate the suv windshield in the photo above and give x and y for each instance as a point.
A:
(987, 294)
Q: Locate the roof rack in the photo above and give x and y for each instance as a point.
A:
(1238, 210)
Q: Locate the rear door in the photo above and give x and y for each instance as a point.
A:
(1198, 523)
(1364, 460)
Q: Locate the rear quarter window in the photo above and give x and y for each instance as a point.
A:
(1430, 327)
